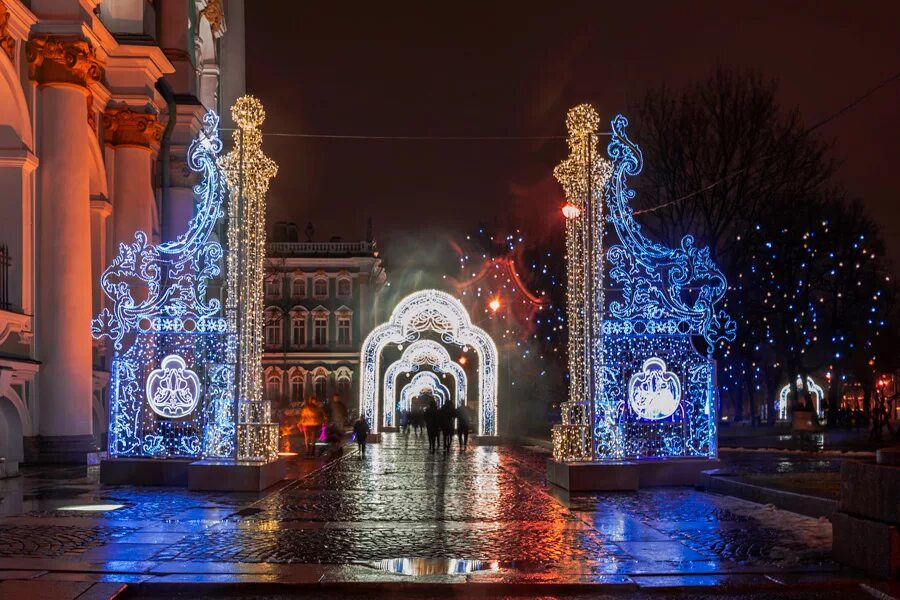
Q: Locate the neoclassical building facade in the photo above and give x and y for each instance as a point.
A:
(99, 100)
(322, 299)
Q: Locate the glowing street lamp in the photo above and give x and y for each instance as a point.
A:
(570, 211)
(494, 304)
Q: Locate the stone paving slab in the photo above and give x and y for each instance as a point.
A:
(488, 503)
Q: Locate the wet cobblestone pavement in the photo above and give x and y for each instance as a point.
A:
(488, 503)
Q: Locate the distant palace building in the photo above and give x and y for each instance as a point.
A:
(322, 300)
(99, 100)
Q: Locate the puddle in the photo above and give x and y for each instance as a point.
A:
(435, 566)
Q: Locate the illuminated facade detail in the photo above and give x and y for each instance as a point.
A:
(640, 361)
(654, 393)
(423, 382)
(248, 172)
(173, 390)
(416, 355)
(440, 314)
(815, 392)
(161, 312)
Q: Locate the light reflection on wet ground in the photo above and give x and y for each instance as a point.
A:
(487, 504)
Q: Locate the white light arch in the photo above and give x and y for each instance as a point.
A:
(421, 382)
(417, 354)
(440, 313)
(814, 390)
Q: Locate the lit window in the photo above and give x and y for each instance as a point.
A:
(298, 287)
(343, 387)
(320, 329)
(298, 330)
(273, 288)
(273, 328)
(320, 288)
(343, 288)
(343, 330)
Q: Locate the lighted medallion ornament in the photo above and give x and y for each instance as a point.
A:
(173, 390)
(639, 387)
(654, 393)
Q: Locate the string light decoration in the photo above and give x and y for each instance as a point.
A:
(437, 313)
(640, 317)
(426, 381)
(172, 375)
(815, 391)
(582, 176)
(248, 171)
(416, 355)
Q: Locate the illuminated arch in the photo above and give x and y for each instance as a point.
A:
(814, 390)
(440, 313)
(417, 354)
(421, 382)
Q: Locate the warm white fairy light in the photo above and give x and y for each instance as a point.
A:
(582, 176)
(248, 171)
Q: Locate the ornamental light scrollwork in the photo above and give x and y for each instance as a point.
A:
(658, 283)
(162, 287)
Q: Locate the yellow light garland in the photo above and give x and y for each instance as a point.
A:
(582, 176)
(248, 171)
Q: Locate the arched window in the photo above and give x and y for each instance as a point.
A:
(320, 327)
(273, 386)
(297, 381)
(343, 382)
(344, 287)
(320, 384)
(298, 328)
(298, 287)
(273, 327)
(320, 287)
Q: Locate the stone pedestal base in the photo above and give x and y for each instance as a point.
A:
(234, 476)
(866, 528)
(627, 475)
(144, 471)
(61, 449)
(8, 468)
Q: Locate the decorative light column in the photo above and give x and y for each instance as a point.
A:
(582, 176)
(63, 69)
(248, 171)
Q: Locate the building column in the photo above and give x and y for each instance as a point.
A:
(133, 135)
(63, 68)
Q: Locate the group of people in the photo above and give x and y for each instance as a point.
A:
(438, 422)
(325, 423)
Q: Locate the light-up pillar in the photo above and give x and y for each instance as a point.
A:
(63, 69)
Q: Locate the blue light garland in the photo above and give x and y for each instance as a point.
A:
(172, 380)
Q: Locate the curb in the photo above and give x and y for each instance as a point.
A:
(811, 506)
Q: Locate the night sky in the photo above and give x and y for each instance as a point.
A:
(384, 69)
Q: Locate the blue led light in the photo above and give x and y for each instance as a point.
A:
(172, 381)
(656, 395)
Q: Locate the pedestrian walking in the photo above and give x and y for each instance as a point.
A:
(361, 432)
(432, 427)
(311, 419)
(463, 426)
(404, 421)
(446, 418)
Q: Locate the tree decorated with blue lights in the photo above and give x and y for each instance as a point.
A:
(648, 391)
